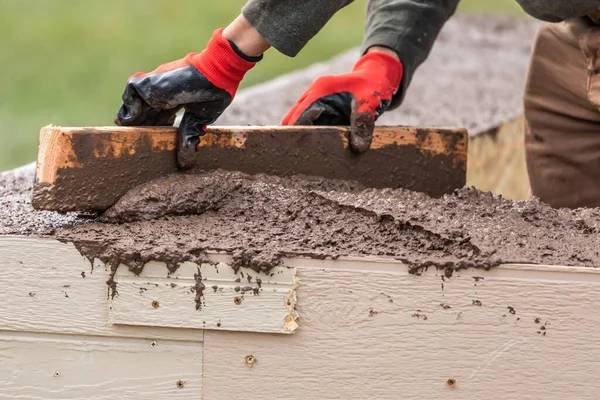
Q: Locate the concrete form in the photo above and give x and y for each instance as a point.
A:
(367, 329)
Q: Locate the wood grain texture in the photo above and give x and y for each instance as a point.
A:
(56, 146)
(89, 169)
(433, 140)
(369, 331)
(244, 301)
(44, 366)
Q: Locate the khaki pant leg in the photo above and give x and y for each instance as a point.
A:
(562, 114)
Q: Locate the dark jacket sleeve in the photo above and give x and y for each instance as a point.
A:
(288, 25)
(409, 27)
(558, 10)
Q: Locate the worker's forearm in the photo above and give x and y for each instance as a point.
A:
(246, 37)
(409, 27)
(288, 25)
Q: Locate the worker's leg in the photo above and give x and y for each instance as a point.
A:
(289, 24)
(562, 103)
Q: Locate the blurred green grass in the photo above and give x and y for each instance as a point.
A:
(65, 61)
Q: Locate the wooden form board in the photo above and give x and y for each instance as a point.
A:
(89, 169)
(60, 286)
(367, 329)
(49, 366)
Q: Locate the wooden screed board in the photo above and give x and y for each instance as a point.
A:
(89, 169)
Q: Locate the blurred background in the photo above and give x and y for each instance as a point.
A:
(65, 62)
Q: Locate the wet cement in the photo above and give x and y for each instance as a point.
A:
(260, 219)
(17, 216)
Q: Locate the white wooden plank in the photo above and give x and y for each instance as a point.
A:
(363, 331)
(46, 366)
(243, 301)
(514, 332)
(45, 291)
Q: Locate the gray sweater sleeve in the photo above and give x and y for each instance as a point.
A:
(288, 25)
(409, 27)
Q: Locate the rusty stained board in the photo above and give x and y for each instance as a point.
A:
(89, 169)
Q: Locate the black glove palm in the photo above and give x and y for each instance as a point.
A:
(204, 84)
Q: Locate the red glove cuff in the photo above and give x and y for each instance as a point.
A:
(384, 66)
(220, 64)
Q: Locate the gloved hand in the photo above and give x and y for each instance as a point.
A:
(357, 98)
(204, 84)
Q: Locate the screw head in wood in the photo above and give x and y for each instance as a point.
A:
(180, 384)
(237, 300)
(250, 360)
(56, 374)
(155, 304)
(451, 383)
(153, 343)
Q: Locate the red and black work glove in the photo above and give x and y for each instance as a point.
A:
(356, 99)
(204, 84)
